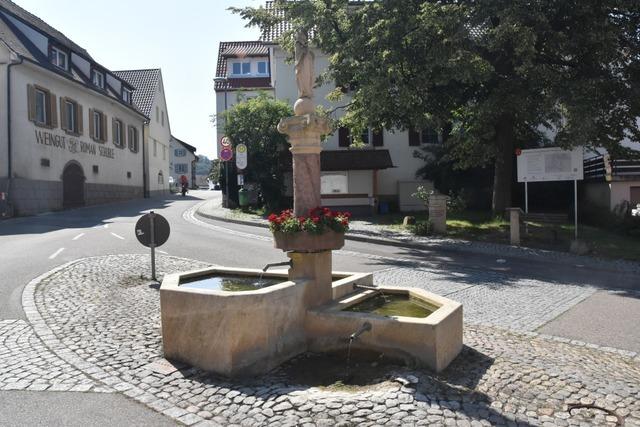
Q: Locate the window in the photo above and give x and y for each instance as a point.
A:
(163, 118)
(70, 116)
(425, 136)
(42, 107)
(126, 95)
(118, 133)
(262, 67)
(180, 152)
(59, 58)
(97, 78)
(181, 168)
(97, 125)
(157, 114)
(241, 68)
(133, 139)
(160, 178)
(155, 148)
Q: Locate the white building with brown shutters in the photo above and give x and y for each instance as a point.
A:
(149, 98)
(71, 135)
(359, 179)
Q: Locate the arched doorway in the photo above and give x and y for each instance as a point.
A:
(72, 186)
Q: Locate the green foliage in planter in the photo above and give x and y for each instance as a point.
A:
(319, 220)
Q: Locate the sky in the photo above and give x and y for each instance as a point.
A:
(180, 37)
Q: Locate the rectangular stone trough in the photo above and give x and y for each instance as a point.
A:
(432, 341)
(237, 333)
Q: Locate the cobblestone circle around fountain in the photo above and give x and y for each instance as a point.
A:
(102, 323)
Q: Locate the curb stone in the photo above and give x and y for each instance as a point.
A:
(456, 245)
(48, 337)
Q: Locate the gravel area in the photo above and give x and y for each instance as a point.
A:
(101, 318)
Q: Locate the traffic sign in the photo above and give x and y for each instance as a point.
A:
(226, 154)
(241, 156)
(225, 141)
(161, 230)
(152, 230)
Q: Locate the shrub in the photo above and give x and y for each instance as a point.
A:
(318, 221)
(422, 228)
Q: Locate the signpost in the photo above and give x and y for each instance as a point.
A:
(241, 156)
(226, 154)
(551, 164)
(152, 230)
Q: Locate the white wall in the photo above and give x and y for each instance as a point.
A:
(27, 152)
(5, 57)
(158, 134)
(187, 159)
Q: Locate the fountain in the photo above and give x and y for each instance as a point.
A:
(228, 321)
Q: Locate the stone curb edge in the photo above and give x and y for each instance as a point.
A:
(47, 336)
(468, 247)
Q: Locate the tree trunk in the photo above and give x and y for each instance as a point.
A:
(503, 174)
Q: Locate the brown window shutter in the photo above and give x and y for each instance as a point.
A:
(31, 100)
(53, 118)
(91, 130)
(103, 128)
(343, 137)
(414, 138)
(113, 130)
(79, 118)
(63, 114)
(378, 140)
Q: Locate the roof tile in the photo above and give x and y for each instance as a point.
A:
(145, 83)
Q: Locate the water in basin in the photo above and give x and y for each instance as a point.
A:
(393, 305)
(229, 283)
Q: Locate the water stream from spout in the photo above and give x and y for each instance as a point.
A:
(348, 373)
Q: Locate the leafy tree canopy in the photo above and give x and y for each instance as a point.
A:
(496, 74)
(253, 122)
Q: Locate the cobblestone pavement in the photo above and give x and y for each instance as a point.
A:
(102, 319)
(491, 297)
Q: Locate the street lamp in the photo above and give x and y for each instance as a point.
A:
(224, 83)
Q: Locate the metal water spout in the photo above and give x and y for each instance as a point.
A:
(276, 264)
(366, 327)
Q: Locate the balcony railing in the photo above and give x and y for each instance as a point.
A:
(596, 169)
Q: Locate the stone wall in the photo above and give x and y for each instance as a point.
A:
(30, 197)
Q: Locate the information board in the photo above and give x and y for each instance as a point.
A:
(550, 164)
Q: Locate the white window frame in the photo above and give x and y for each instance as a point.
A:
(266, 68)
(242, 65)
(132, 134)
(126, 95)
(181, 168)
(97, 125)
(71, 115)
(41, 95)
(97, 78)
(57, 54)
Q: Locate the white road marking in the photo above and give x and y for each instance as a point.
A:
(106, 226)
(117, 235)
(56, 253)
(78, 236)
(163, 252)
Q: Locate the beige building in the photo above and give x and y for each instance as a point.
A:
(71, 134)
(150, 100)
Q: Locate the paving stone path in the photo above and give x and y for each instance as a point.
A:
(101, 321)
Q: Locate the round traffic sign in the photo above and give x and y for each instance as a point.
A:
(225, 141)
(161, 230)
(226, 154)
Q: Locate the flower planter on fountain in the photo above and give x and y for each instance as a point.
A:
(308, 242)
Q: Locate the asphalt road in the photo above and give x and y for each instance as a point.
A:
(32, 246)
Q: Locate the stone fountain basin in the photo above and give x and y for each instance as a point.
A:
(432, 341)
(243, 332)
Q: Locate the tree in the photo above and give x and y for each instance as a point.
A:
(216, 170)
(502, 73)
(253, 122)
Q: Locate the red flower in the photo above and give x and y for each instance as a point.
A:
(315, 219)
(302, 219)
(344, 222)
(272, 217)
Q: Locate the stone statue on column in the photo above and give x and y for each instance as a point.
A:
(304, 58)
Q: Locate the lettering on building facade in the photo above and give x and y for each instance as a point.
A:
(73, 145)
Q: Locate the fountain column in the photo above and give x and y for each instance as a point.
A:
(304, 131)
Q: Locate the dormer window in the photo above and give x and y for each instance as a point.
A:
(126, 95)
(59, 58)
(241, 68)
(97, 78)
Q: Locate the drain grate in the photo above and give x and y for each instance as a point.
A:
(572, 406)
